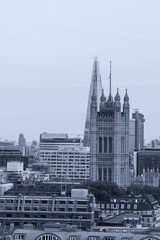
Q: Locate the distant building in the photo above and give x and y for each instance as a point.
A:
(150, 177)
(65, 157)
(139, 130)
(21, 141)
(147, 166)
(154, 144)
(136, 132)
(34, 143)
(6, 144)
(148, 158)
(12, 154)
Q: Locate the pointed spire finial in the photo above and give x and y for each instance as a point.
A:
(126, 98)
(103, 98)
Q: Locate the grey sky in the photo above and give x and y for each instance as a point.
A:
(46, 54)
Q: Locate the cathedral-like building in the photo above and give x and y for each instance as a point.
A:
(109, 138)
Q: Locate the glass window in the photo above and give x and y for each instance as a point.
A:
(128, 206)
(105, 144)
(100, 144)
(110, 145)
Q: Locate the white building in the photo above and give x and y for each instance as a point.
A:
(14, 167)
(66, 157)
(5, 187)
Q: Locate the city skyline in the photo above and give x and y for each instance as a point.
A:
(47, 52)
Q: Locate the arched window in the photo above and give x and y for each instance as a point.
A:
(48, 236)
(110, 174)
(110, 145)
(100, 144)
(105, 174)
(105, 144)
(149, 238)
(100, 174)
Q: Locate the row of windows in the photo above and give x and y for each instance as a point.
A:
(105, 128)
(105, 174)
(44, 209)
(64, 153)
(105, 144)
(51, 237)
(117, 206)
(105, 159)
(30, 201)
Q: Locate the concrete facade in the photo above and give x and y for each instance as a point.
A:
(65, 157)
(79, 209)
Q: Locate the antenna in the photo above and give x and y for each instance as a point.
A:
(110, 78)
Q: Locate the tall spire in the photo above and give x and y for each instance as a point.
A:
(96, 87)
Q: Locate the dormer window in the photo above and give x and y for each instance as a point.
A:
(19, 236)
(73, 238)
(93, 238)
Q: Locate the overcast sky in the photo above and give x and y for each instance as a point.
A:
(46, 56)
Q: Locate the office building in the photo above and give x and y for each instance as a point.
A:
(150, 177)
(22, 142)
(65, 157)
(78, 209)
(147, 159)
(12, 154)
(139, 130)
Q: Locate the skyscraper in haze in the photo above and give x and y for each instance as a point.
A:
(97, 86)
(109, 138)
(139, 130)
(21, 140)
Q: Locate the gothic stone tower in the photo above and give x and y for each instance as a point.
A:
(109, 138)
